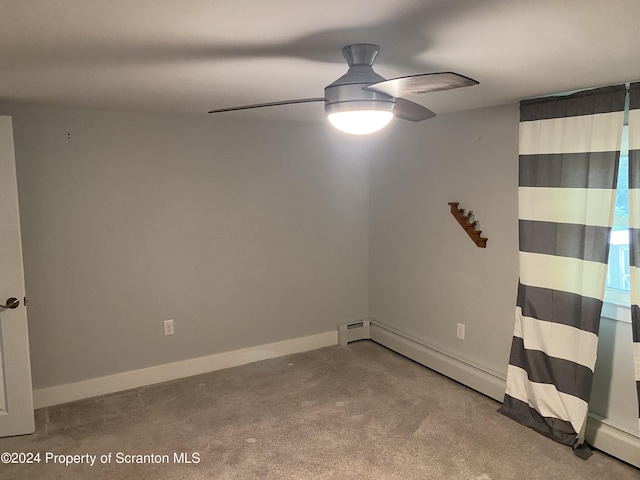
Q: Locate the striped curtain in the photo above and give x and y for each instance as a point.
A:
(569, 152)
(634, 224)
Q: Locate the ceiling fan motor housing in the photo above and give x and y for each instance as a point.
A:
(347, 94)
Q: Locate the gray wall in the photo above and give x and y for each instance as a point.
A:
(426, 275)
(244, 233)
(249, 232)
(614, 387)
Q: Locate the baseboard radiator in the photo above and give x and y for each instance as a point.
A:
(601, 433)
(354, 331)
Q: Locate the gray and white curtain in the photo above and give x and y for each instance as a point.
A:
(568, 164)
(634, 224)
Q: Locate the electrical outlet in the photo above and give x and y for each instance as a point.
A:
(460, 331)
(168, 327)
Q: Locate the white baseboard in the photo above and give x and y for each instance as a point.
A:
(481, 380)
(613, 440)
(600, 433)
(46, 397)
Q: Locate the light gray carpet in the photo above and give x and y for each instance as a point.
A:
(356, 412)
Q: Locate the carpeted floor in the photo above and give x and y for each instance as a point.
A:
(356, 412)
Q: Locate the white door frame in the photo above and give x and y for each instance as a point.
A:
(16, 396)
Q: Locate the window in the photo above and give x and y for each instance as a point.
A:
(616, 298)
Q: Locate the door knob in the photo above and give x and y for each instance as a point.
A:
(11, 303)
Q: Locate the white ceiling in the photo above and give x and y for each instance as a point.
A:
(195, 55)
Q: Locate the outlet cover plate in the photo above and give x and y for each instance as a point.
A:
(168, 327)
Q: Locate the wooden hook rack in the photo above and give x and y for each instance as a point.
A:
(470, 228)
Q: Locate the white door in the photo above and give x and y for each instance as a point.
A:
(16, 397)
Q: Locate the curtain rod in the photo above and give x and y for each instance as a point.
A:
(627, 87)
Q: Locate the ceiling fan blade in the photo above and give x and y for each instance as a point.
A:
(407, 110)
(421, 83)
(268, 104)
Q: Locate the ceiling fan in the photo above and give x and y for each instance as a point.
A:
(362, 102)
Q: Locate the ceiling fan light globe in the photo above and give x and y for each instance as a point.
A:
(360, 122)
